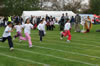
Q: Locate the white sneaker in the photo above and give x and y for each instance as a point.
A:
(68, 41)
(13, 38)
(20, 40)
(40, 41)
(66, 36)
(11, 49)
(61, 32)
(75, 31)
(61, 38)
(60, 35)
(0, 39)
(30, 46)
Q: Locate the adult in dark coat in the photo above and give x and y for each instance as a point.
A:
(61, 22)
(77, 23)
(72, 21)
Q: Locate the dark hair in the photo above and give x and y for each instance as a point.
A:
(41, 21)
(67, 20)
(9, 23)
(42, 18)
(26, 20)
(18, 23)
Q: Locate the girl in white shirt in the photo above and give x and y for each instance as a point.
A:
(18, 28)
(41, 29)
(66, 32)
(27, 28)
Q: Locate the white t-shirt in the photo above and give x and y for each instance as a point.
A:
(67, 26)
(18, 28)
(44, 22)
(6, 33)
(41, 27)
(52, 23)
(27, 28)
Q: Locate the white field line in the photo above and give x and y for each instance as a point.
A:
(76, 53)
(93, 41)
(54, 41)
(75, 40)
(70, 44)
(74, 43)
(25, 60)
(66, 43)
(55, 57)
(61, 45)
(66, 46)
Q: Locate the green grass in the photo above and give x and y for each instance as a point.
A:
(84, 50)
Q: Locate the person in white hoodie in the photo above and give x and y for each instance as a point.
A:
(41, 29)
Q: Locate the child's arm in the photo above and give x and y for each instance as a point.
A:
(9, 31)
(32, 27)
(13, 28)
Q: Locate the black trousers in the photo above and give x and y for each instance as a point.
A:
(9, 40)
(48, 27)
(52, 26)
(61, 27)
(41, 33)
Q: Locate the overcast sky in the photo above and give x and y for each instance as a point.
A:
(86, 1)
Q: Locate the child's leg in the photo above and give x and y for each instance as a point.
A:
(69, 35)
(51, 27)
(41, 34)
(40, 38)
(47, 27)
(61, 35)
(10, 42)
(3, 39)
(23, 38)
(17, 35)
(20, 35)
(29, 39)
(64, 33)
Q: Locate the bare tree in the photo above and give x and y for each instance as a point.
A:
(73, 5)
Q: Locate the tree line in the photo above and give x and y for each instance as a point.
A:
(16, 7)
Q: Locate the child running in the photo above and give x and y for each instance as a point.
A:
(18, 28)
(27, 30)
(7, 35)
(41, 28)
(66, 31)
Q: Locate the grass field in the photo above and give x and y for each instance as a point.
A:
(84, 50)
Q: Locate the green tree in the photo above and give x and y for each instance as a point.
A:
(94, 6)
(16, 7)
(73, 5)
(1, 7)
